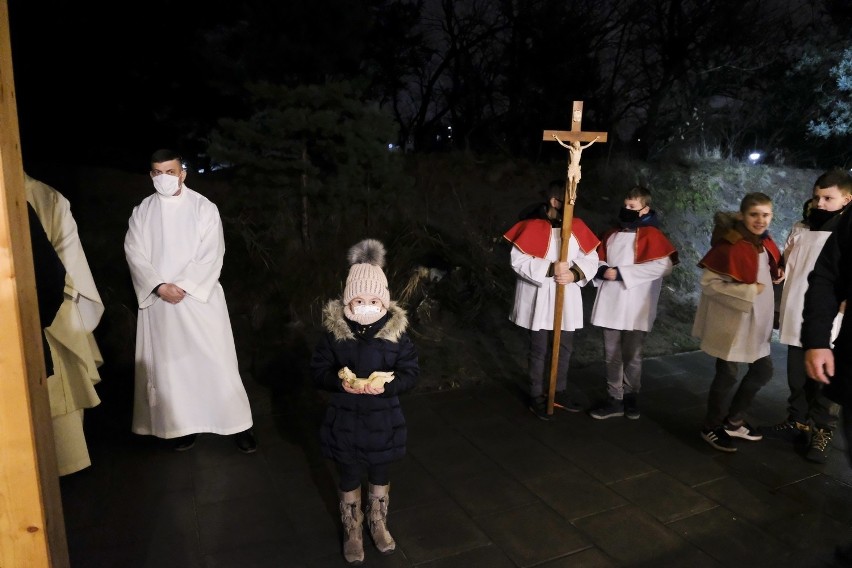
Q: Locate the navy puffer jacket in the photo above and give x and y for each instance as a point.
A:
(361, 428)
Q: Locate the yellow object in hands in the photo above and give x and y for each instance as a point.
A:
(376, 378)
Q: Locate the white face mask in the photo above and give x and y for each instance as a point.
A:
(166, 185)
(366, 309)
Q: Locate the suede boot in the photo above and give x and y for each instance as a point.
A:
(353, 532)
(377, 518)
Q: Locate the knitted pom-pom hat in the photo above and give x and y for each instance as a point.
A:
(365, 275)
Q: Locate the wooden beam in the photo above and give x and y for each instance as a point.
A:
(571, 140)
(571, 136)
(32, 529)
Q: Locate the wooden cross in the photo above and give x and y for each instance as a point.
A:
(570, 139)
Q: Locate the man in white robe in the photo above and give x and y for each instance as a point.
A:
(73, 349)
(187, 377)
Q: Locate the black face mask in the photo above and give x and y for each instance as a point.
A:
(626, 215)
(819, 217)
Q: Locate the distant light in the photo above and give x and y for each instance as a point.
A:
(390, 146)
(755, 157)
(201, 170)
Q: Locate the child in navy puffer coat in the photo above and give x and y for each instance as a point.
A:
(365, 358)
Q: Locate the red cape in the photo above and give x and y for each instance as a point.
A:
(739, 259)
(650, 244)
(532, 236)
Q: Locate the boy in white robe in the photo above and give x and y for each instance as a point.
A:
(536, 241)
(635, 256)
(735, 315)
(809, 412)
(187, 376)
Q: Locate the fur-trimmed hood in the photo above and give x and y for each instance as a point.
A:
(725, 227)
(335, 322)
(728, 226)
(734, 250)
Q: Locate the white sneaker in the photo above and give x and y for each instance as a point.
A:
(743, 431)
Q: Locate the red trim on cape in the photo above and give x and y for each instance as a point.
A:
(650, 244)
(532, 236)
(739, 259)
(586, 238)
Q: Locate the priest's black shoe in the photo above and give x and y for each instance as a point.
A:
(185, 442)
(246, 442)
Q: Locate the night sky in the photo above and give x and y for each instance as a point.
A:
(98, 84)
(105, 83)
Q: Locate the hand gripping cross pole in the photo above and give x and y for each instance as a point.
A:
(570, 139)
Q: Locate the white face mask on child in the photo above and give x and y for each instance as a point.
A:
(367, 309)
(365, 314)
(166, 185)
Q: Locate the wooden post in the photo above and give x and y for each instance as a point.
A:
(571, 140)
(32, 529)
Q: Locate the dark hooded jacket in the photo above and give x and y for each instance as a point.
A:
(829, 284)
(360, 428)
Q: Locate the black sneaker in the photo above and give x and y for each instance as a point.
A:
(631, 406)
(787, 431)
(743, 431)
(185, 442)
(719, 439)
(610, 409)
(562, 402)
(246, 442)
(538, 406)
(819, 446)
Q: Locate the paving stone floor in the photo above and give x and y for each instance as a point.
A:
(484, 484)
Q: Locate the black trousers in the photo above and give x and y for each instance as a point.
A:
(351, 474)
(759, 373)
(807, 399)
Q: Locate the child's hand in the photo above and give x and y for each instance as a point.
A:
(374, 384)
(562, 274)
(359, 389)
(760, 287)
(781, 276)
(350, 382)
(374, 388)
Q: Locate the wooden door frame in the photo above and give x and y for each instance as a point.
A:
(32, 527)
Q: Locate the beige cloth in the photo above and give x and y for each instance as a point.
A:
(73, 348)
(733, 320)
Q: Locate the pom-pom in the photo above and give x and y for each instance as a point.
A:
(368, 251)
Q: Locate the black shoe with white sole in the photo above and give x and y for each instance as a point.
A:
(719, 439)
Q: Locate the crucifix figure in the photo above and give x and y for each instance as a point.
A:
(575, 149)
(572, 140)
